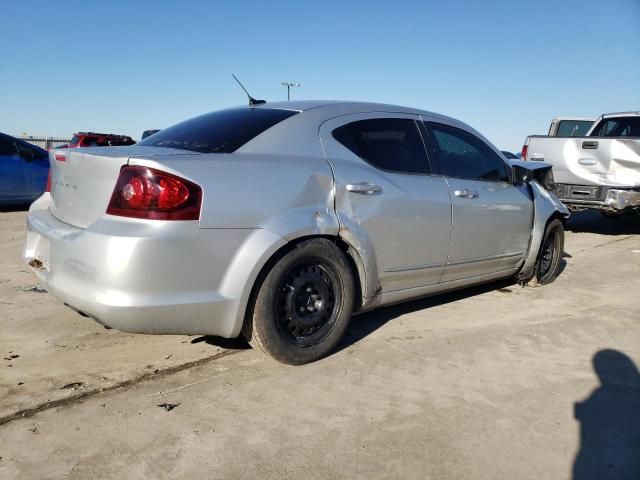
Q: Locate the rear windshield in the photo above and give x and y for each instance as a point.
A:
(223, 131)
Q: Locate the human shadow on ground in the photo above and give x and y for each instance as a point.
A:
(591, 221)
(610, 422)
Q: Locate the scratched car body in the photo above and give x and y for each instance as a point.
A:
(277, 221)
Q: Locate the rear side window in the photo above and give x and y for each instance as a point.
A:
(391, 144)
(223, 131)
(618, 127)
(75, 140)
(573, 128)
(463, 155)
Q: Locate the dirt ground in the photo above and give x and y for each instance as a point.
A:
(494, 382)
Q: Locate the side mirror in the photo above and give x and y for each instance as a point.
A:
(521, 175)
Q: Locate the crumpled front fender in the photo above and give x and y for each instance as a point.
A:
(545, 206)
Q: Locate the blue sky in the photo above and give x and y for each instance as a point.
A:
(505, 67)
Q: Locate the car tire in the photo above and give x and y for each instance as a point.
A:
(549, 264)
(303, 304)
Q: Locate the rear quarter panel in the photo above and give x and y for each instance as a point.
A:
(288, 195)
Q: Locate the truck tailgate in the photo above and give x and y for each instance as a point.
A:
(589, 160)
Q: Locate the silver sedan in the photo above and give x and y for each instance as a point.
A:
(277, 221)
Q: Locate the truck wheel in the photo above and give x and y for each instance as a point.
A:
(303, 306)
(550, 257)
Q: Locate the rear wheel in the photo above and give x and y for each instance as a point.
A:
(303, 305)
(549, 262)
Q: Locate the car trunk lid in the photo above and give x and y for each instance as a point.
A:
(82, 180)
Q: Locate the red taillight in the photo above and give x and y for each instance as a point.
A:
(60, 157)
(48, 187)
(523, 154)
(143, 192)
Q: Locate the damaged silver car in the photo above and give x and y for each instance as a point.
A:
(278, 221)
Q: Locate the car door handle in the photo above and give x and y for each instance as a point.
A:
(466, 193)
(364, 187)
(586, 145)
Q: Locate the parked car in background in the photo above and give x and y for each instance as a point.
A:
(92, 139)
(570, 126)
(600, 170)
(146, 133)
(24, 169)
(278, 220)
(62, 145)
(509, 155)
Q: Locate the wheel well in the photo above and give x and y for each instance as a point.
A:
(358, 271)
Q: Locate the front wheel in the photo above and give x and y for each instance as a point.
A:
(303, 305)
(549, 262)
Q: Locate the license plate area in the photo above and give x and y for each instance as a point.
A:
(582, 192)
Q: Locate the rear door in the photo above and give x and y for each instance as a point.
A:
(491, 217)
(388, 203)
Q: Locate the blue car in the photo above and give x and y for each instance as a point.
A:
(24, 169)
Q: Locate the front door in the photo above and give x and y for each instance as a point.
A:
(389, 205)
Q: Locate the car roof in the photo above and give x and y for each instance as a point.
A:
(342, 107)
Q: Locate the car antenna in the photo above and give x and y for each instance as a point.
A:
(252, 101)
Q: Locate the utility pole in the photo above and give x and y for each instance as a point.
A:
(289, 85)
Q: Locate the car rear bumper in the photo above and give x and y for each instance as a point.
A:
(144, 276)
(601, 197)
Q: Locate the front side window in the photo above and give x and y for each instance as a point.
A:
(463, 155)
(391, 144)
(618, 127)
(223, 131)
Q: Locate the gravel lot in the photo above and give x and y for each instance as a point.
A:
(495, 382)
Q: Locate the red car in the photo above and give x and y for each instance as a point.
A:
(92, 139)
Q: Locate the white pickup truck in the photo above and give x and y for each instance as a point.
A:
(600, 170)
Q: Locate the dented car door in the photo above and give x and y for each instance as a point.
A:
(387, 201)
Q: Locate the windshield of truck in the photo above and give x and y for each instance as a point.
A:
(618, 127)
(573, 128)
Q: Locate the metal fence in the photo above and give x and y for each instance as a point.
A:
(45, 142)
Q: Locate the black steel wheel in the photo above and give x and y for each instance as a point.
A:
(303, 304)
(550, 257)
(306, 303)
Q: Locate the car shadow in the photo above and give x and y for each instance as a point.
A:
(591, 221)
(22, 207)
(238, 343)
(365, 324)
(610, 421)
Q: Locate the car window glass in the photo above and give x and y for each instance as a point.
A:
(75, 140)
(573, 128)
(463, 155)
(618, 127)
(392, 144)
(7, 147)
(223, 131)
